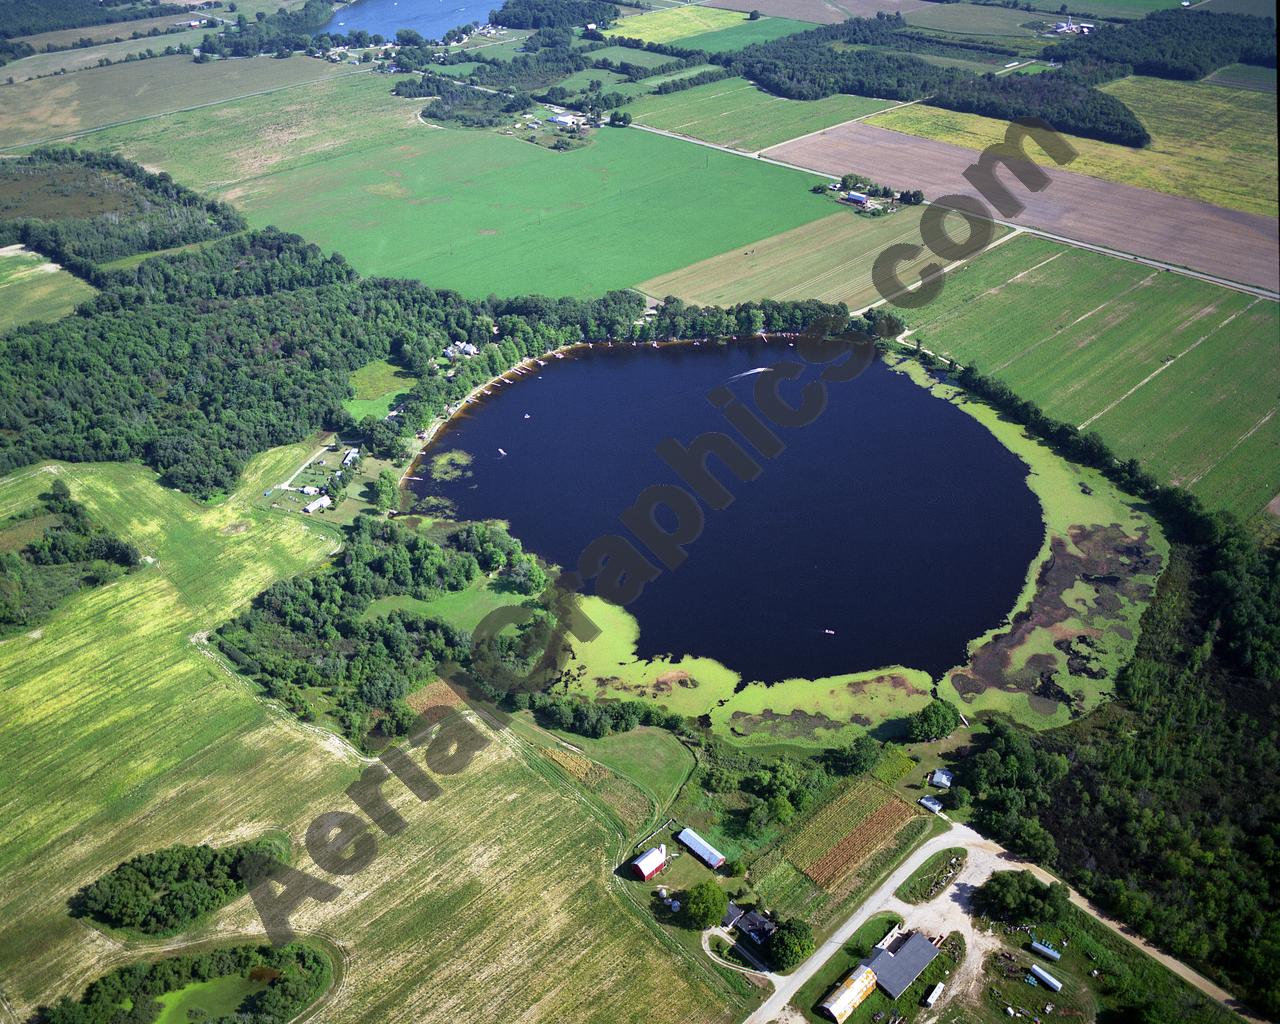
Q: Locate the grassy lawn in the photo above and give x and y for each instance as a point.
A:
(31, 288)
(67, 105)
(744, 34)
(155, 744)
(1209, 142)
(1245, 76)
(735, 113)
(460, 608)
(215, 998)
(828, 259)
(676, 23)
(483, 213)
(79, 59)
(1081, 334)
(377, 387)
(653, 759)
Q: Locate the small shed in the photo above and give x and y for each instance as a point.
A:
(934, 994)
(931, 803)
(1048, 952)
(650, 862)
(700, 848)
(942, 778)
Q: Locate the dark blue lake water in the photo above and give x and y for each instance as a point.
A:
(894, 520)
(430, 18)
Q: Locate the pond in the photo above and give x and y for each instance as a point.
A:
(429, 18)
(892, 530)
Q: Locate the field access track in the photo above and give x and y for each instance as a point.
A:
(1227, 244)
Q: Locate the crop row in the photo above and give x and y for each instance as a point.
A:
(835, 821)
(873, 832)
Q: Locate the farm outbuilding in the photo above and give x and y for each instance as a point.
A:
(1048, 952)
(324, 501)
(942, 778)
(650, 862)
(849, 994)
(931, 803)
(895, 970)
(700, 848)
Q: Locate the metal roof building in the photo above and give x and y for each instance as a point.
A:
(650, 862)
(897, 970)
(700, 848)
(1045, 978)
(1048, 952)
(942, 778)
(849, 994)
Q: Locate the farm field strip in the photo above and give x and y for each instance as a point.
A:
(830, 825)
(873, 832)
(1169, 370)
(676, 23)
(737, 114)
(32, 288)
(1209, 142)
(1170, 229)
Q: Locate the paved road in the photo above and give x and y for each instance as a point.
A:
(950, 912)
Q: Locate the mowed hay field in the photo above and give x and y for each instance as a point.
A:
(737, 114)
(1209, 142)
(1180, 374)
(828, 259)
(80, 59)
(122, 736)
(64, 105)
(484, 213)
(745, 33)
(32, 288)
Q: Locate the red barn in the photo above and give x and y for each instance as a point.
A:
(650, 862)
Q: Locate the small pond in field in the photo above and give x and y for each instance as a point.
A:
(892, 530)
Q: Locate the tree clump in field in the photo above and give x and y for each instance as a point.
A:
(935, 721)
(70, 553)
(704, 905)
(169, 890)
(292, 978)
(1018, 897)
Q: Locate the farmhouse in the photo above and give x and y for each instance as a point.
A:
(731, 916)
(324, 501)
(650, 862)
(350, 457)
(700, 848)
(757, 927)
(309, 490)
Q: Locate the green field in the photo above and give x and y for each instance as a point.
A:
(65, 105)
(1132, 9)
(485, 214)
(82, 59)
(1172, 371)
(157, 743)
(988, 21)
(828, 259)
(377, 386)
(735, 113)
(31, 288)
(676, 23)
(653, 759)
(744, 34)
(1245, 76)
(1209, 142)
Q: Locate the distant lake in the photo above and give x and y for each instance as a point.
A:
(894, 520)
(430, 18)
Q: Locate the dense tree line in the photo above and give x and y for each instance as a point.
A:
(1164, 806)
(554, 13)
(594, 719)
(458, 103)
(129, 995)
(155, 212)
(12, 49)
(701, 78)
(1174, 44)
(27, 17)
(169, 890)
(72, 553)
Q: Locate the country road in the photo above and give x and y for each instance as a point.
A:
(951, 910)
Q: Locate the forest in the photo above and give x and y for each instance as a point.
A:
(1162, 806)
(457, 103)
(310, 637)
(169, 890)
(27, 17)
(71, 553)
(296, 976)
(807, 66)
(82, 208)
(1174, 44)
(554, 13)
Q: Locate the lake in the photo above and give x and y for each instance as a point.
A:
(430, 18)
(892, 530)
